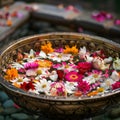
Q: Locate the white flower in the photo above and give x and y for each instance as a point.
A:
(92, 78)
(67, 67)
(108, 60)
(31, 72)
(115, 76)
(44, 73)
(59, 57)
(17, 65)
(99, 64)
(20, 80)
(30, 56)
(53, 76)
(116, 64)
(70, 87)
(42, 54)
(82, 52)
(88, 58)
(43, 86)
(107, 83)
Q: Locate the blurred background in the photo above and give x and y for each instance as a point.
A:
(109, 5)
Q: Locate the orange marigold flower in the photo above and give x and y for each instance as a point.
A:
(72, 50)
(47, 48)
(11, 74)
(93, 93)
(45, 63)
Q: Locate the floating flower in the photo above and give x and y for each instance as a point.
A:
(11, 74)
(31, 65)
(100, 54)
(45, 63)
(107, 83)
(115, 76)
(58, 89)
(84, 67)
(70, 87)
(60, 74)
(59, 57)
(98, 63)
(82, 52)
(17, 65)
(73, 76)
(73, 50)
(43, 86)
(47, 48)
(116, 64)
(84, 87)
(116, 85)
(42, 54)
(64, 72)
(54, 75)
(31, 72)
(93, 77)
(27, 86)
(93, 93)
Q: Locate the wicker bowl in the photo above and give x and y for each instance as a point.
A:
(59, 106)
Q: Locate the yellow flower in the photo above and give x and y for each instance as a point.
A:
(100, 89)
(47, 48)
(11, 74)
(72, 50)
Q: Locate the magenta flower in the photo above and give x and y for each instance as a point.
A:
(31, 65)
(84, 87)
(117, 22)
(116, 85)
(73, 76)
(56, 65)
(101, 16)
(84, 67)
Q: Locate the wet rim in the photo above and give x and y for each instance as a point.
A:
(10, 87)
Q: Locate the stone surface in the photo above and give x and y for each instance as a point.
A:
(8, 103)
(20, 116)
(1, 117)
(100, 117)
(8, 118)
(3, 96)
(114, 113)
(10, 110)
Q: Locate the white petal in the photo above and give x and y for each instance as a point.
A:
(42, 54)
